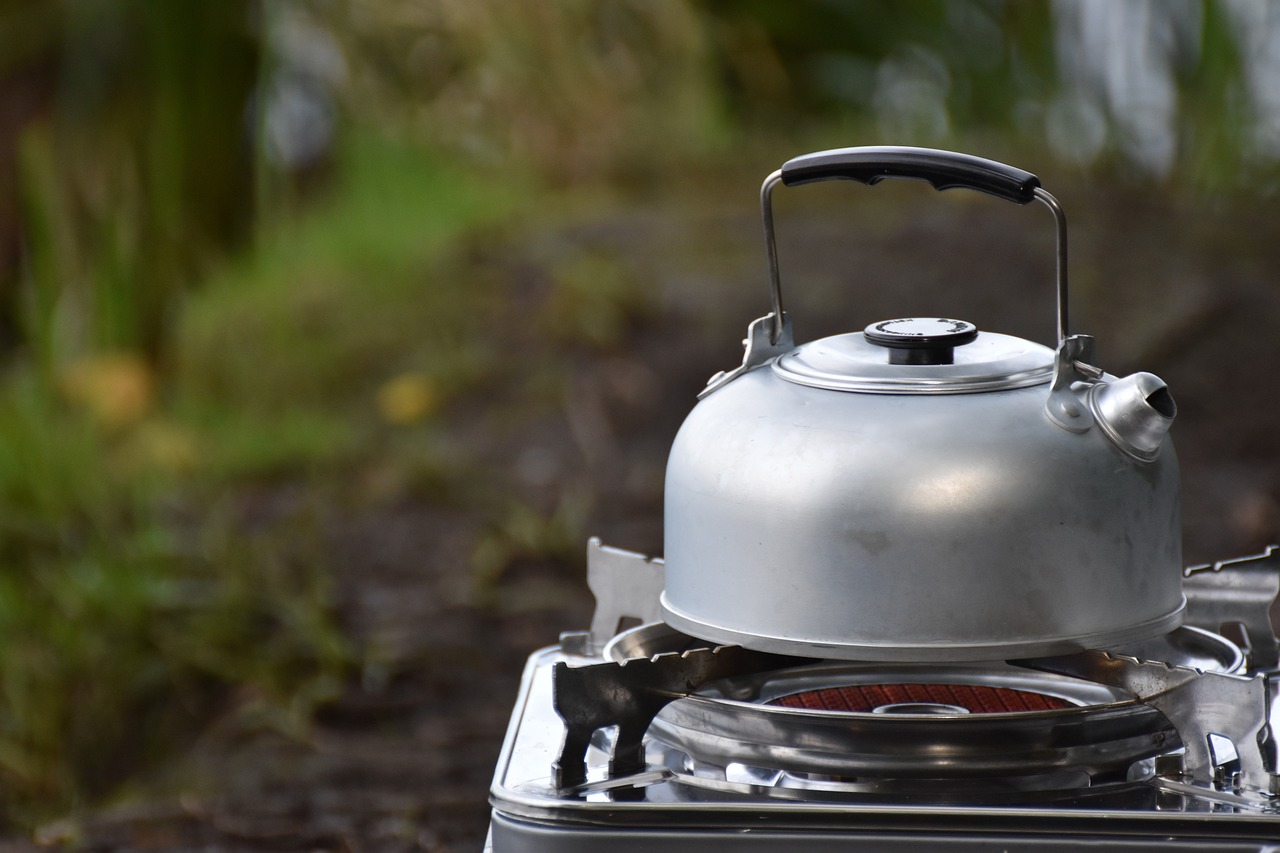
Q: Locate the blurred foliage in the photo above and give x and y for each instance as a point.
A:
(243, 242)
(121, 203)
(570, 91)
(336, 304)
(1146, 89)
(120, 620)
(889, 60)
(521, 532)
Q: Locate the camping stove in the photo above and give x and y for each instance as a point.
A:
(635, 737)
(923, 589)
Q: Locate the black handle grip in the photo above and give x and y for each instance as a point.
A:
(943, 169)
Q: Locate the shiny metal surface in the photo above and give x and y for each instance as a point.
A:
(626, 586)
(775, 279)
(1189, 646)
(1072, 372)
(645, 641)
(913, 527)
(841, 505)
(1223, 719)
(771, 252)
(1060, 256)
(1135, 412)
(759, 349)
(1161, 813)
(681, 801)
(849, 362)
(729, 722)
(1185, 646)
(1244, 594)
(907, 830)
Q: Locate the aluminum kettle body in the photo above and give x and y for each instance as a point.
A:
(885, 527)
(969, 497)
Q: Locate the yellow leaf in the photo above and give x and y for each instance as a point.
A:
(117, 388)
(408, 398)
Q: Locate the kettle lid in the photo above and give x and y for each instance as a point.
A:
(918, 355)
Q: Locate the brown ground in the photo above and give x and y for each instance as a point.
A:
(1187, 288)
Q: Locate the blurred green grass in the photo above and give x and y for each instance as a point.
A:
(279, 359)
(332, 347)
(129, 584)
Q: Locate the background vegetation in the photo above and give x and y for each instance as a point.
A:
(247, 284)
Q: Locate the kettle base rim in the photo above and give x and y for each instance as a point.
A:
(943, 652)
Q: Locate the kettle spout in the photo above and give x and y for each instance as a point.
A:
(1136, 412)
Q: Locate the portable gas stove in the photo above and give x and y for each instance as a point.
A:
(647, 739)
(922, 589)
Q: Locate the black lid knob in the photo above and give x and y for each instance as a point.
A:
(921, 340)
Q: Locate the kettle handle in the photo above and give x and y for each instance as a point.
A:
(943, 169)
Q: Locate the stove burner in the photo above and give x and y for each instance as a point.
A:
(942, 733)
(917, 698)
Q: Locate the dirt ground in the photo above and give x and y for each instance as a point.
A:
(1184, 287)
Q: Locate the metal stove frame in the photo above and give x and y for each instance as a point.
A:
(581, 775)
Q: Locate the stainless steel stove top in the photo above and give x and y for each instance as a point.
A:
(645, 739)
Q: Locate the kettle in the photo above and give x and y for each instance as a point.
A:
(922, 490)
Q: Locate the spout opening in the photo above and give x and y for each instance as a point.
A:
(1135, 412)
(1162, 401)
